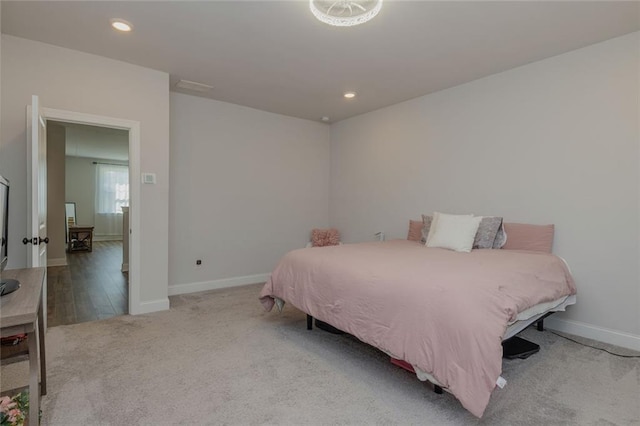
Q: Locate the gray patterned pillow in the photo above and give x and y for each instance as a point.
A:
(426, 226)
(501, 237)
(487, 232)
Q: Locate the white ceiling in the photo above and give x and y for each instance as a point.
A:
(275, 56)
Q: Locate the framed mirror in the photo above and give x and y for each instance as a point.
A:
(69, 218)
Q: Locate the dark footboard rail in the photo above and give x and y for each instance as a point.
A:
(309, 322)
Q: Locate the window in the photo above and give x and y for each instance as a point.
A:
(112, 189)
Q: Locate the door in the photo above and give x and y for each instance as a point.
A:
(36, 239)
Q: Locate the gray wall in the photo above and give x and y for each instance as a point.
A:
(81, 188)
(97, 142)
(246, 187)
(555, 141)
(56, 249)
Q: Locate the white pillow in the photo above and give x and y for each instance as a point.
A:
(453, 232)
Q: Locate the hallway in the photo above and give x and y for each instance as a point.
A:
(89, 288)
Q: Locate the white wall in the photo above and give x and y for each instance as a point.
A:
(556, 141)
(246, 187)
(75, 81)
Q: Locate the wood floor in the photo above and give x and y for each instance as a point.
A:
(89, 288)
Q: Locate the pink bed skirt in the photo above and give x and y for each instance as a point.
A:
(402, 364)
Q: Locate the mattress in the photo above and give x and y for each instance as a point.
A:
(531, 315)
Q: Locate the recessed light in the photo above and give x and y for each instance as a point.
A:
(350, 95)
(325, 118)
(121, 25)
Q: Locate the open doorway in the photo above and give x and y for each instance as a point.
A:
(87, 204)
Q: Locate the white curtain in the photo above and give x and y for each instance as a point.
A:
(112, 193)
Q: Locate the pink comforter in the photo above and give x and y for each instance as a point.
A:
(442, 311)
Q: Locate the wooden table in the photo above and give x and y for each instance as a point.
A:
(21, 313)
(80, 238)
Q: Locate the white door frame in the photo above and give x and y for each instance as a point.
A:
(134, 182)
(36, 252)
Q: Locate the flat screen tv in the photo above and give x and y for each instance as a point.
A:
(6, 286)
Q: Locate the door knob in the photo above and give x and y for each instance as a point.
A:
(33, 241)
(43, 240)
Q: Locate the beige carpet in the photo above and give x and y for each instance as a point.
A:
(218, 358)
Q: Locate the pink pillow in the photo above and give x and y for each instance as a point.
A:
(522, 236)
(415, 230)
(325, 237)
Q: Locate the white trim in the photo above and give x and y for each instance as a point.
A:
(125, 267)
(601, 334)
(153, 306)
(176, 289)
(638, 159)
(135, 244)
(135, 306)
(62, 261)
(33, 171)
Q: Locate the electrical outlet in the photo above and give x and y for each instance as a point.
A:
(198, 262)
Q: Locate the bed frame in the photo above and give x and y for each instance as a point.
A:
(529, 347)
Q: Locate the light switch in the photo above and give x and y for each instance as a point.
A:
(149, 178)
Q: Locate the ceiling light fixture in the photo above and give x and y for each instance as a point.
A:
(121, 25)
(350, 95)
(345, 13)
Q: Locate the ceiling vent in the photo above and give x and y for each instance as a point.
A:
(192, 85)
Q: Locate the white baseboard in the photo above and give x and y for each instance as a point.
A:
(62, 261)
(606, 335)
(151, 306)
(176, 289)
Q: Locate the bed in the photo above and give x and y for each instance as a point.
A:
(443, 312)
